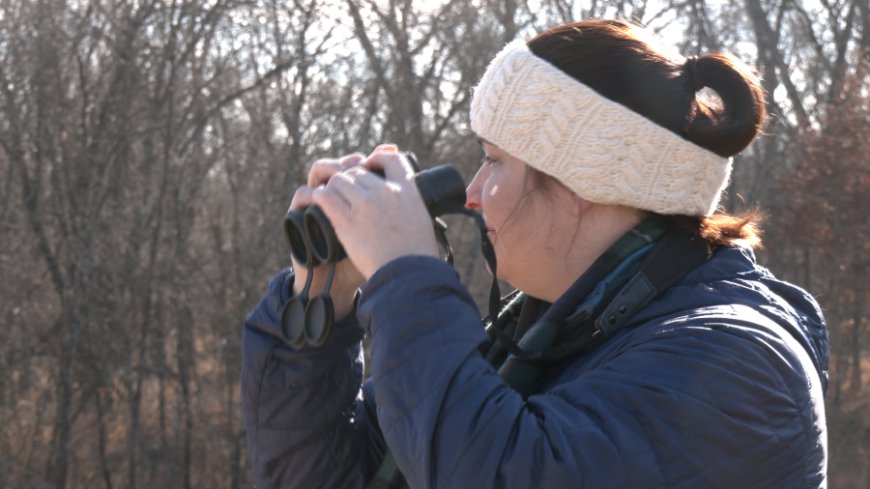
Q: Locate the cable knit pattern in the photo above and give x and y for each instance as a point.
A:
(603, 151)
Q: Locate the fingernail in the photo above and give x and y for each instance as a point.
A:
(387, 148)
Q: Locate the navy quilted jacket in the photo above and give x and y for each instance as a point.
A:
(718, 383)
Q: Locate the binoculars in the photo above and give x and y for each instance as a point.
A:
(313, 242)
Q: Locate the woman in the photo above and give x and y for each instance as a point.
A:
(598, 150)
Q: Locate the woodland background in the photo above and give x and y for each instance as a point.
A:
(149, 149)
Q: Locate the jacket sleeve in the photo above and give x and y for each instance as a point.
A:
(686, 409)
(307, 420)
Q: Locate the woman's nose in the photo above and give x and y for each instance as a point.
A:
(472, 193)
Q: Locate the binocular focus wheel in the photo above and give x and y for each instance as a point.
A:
(319, 316)
(293, 322)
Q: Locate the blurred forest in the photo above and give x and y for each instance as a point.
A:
(149, 149)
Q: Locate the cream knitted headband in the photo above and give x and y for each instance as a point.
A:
(601, 150)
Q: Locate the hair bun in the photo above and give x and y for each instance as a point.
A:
(725, 126)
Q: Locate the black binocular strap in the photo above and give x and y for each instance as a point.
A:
(674, 256)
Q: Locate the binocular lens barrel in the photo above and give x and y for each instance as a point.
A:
(313, 240)
(294, 228)
(321, 237)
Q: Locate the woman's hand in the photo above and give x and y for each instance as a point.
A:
(378, 219)
(347, 278)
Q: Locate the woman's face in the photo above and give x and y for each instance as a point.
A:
(519, 218)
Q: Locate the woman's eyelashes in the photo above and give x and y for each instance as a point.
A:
(488, 159)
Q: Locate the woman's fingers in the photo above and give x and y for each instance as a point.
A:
(338, 181)
(352, 160)
(334, 198)
(396, 167)
(323, 169)
(364, 178)
(302, 198)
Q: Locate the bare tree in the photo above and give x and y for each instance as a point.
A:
(149, 150)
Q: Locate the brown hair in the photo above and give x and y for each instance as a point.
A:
(624, 63)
